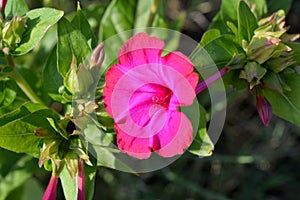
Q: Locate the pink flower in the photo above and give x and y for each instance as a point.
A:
(50, 193)
(2, 4)
(81, 195)
(143, 94)
(264, 109)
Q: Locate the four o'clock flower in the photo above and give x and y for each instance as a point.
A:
(143, 93)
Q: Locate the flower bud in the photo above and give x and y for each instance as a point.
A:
(50, 193)
(97, 57)
(264, 109)
(13, 30)
(3, 4)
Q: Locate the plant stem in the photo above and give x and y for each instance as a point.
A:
(25, 87)
(154, 9)
(207, 82)
(21, 82)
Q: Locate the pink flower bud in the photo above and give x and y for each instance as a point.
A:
(264, 109)
(50, 193)
(81, 195)
(2, 4)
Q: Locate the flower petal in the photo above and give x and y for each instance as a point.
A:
(140, 49)
(176, 136)
(173, 139)
(179, 62)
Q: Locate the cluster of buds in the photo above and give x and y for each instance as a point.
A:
(267, 53)
(63, 147)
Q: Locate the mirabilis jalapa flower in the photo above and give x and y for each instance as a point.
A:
(143, 93)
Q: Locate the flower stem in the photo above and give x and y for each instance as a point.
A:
(207, 82)
(21, 82)
(154, 9)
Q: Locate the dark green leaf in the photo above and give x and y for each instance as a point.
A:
(287, 105)
(70, 42)
(296, 49)
(89, 181)
(81, 23)
(38, 23)
(52, 80)
(246, 22)
(15, 8)
(7, 92)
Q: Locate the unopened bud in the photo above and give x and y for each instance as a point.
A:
(97, 57)
(3, 4)
(264, 109)
(12, 31)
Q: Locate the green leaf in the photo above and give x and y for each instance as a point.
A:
(118, 17)
(15, 8)
(17, 128)
(229, 12)
(52, 79)
(39, 21)
(31, 189)
(7, 92)
(296, 49)
(209, 35)
(258, 7)
(89, 181)
(81, 23)
(275, 5)
(70, 42)
(70, 186)
(218, 51)
(19, 172)
(217, 23)
(287, 105)
(5, 71)
(202, 144)
(246, 22)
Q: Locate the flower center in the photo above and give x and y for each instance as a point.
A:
(162, 100)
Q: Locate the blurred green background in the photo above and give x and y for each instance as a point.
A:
(250, 161)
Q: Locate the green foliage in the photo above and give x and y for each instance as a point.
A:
(70, 42)
(14, 171)
(7, 92)
(38, 22)
(18, 127)
(15, 8)
(287, 105)
(246, 22)
(202, 144)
